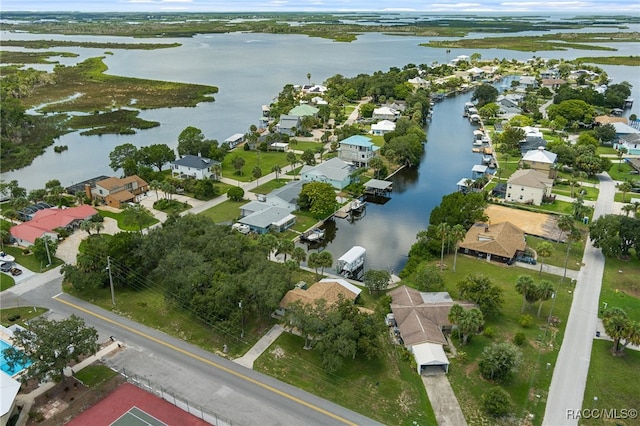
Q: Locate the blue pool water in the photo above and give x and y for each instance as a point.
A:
(3, 362)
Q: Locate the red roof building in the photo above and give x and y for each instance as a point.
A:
(45, 222)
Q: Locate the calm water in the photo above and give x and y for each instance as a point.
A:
(249, 70)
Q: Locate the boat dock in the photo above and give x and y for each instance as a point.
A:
(378, 188)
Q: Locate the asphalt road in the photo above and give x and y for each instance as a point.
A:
(205, 380)
(572, 365)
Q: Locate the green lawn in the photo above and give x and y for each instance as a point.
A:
(305, 145)
(228, 211)
(303, 221)
(267, 187)
(251, 159)
(559, 207)
(541, 347)
(29, 261)
(145, 221)
(621, 286)
(627, 197)
(591, 193)
(95, 374)
(6, 281)
(25, 313)
(622, 171)
(386, 389)
(610, 380)
(559, 253)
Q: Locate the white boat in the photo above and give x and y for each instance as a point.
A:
(315, 234)
(351, 261)
(356, 205)
(477, 142)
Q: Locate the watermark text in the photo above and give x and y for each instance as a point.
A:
(602, 413)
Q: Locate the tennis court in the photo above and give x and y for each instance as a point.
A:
(137, 417)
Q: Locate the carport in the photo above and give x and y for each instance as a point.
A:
(430, 358)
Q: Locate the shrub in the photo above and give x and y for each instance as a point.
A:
(520, 338)
(496, 402)
(499, 361)
(235, 194)
(462, 357)
(525, 321)
(489, 332)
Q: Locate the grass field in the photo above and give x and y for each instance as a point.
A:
(29, 261)
(267, 187)
(266, 160)
(386, 389)
(559, 253)
(6, 281)
(145, 220)
(227, 211)
(95, 374)
(26, 313)
(541, 345)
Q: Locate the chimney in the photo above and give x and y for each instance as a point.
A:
(87, 191)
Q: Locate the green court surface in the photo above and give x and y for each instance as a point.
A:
(137, 417)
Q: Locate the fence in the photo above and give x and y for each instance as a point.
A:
(144, 383)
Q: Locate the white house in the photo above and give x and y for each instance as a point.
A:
(629, 142)
(528, 186)
(194, 166)
(382, 127)
(418, 83)
(357, 149)
(385, 113)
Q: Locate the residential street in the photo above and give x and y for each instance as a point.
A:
(572, 365)
(203, 379)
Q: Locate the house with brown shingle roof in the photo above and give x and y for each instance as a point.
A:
(422, 318)
(116, 192)
(528, 186)
(501, 242)
(329, 289)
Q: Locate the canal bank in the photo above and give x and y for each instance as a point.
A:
(388, 230)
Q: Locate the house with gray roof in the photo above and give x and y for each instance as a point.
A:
(194, 166)
(269, 219)
(268, 212)
(288, 124)
(629, 142)
(334, 171)
(304, 110)
(540, 159)
(528, 186)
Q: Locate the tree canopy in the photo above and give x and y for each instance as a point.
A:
(318, 198)
(51, 346)
(616, 235)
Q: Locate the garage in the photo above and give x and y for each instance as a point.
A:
(430, 358)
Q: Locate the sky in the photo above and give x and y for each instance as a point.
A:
(433, 6)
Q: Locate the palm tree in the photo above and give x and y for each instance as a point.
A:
(524, 284)
(442, 232)
(276, 169)
(470, 322)
(86, 225)
(299, 255)
(269, 242)
(286, 247)
(573, 183)
(98, 226)
(544, 250)
(565, 224)
(454, 315)
(457, 234)
(621, 151)
(573, 236)
(309, 78)
(217, 170)
(154, 186)
(624, 187)
(545, 292)
(257, 173)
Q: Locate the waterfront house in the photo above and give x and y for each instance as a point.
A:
(357, 149)
(117, 192)
(528, 186)
(501, 242)
(553, 83)
(268, 218)
(540, 159)
(421, 320)
(331, 290)
(623, 129)
(527, 81)
(46, 222)
(304, 110)
(288, 124)
(385, 113)
(194, 166)
(234, 140)
(418, 83)
(334, 171)
(382, 127)
(479, 170)
(629, 142)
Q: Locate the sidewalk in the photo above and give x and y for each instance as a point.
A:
(249, 358)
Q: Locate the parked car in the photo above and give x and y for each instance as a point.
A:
(6, 266)
(16, 271)
(526, 259)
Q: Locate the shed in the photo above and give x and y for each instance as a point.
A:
(430, 357)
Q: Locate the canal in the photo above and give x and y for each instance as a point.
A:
(387, 231)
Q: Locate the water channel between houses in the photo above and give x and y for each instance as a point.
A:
(388, 230)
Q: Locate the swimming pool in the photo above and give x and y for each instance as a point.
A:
(4, 365)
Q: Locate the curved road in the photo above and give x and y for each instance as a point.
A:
(572, 365)
(214, 383)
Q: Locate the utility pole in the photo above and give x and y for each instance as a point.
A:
(241, 319)
(113, 294)
(46, 247)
